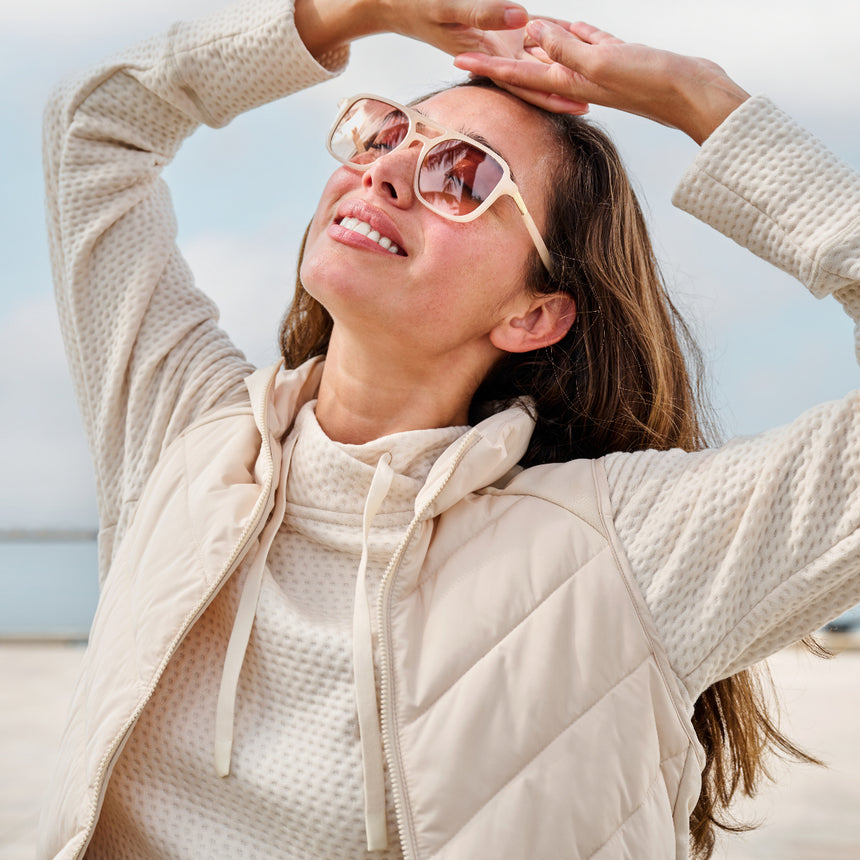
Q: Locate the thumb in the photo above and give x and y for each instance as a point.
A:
(488, 14)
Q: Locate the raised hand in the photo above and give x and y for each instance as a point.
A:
(563, 65)
(453, 26)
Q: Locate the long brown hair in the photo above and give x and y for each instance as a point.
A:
(626, 377)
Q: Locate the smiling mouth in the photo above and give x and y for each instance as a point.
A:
(364, 229)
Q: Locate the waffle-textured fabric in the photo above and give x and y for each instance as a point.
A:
(737, 551)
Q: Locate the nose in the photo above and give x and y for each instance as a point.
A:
(392, 175)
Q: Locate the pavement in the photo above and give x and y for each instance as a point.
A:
(809, 813)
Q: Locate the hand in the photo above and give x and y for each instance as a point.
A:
(453, 26)
(579, 63)
(456, 26)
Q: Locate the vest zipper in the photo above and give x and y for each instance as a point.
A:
(119, 741)
(387, 729)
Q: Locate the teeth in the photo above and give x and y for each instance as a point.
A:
(364, 229)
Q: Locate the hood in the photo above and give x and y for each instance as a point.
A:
(487, 453)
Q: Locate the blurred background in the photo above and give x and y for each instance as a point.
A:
(243, 195)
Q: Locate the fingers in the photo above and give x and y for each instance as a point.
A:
(590, 34)
(563, 66)
(548, 101)
(538, 53)
(484, 14)
(528, 74)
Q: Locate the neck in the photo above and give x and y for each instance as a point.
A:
(366, 393)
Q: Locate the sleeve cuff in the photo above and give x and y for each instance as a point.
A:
(769, 185)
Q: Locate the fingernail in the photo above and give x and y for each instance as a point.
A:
(572, 107)
(515, 16)
(536, 28)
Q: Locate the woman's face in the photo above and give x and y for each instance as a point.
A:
(451, 282)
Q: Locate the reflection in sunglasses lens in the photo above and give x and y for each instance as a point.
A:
(456, 177)
(368, 130)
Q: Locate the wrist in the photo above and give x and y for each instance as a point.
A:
(326, 25)
(709, 103)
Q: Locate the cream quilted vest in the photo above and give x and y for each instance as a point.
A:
(528, 709)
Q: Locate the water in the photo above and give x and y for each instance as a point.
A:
(47, 588)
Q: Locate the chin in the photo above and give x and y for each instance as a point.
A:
(340, 290)
(324, 278)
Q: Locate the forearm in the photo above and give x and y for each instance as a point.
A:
(703, 101)
(326, 26)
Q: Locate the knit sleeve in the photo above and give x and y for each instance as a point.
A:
(744, 549)
(146, 353)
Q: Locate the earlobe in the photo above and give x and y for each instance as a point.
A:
(546, 322)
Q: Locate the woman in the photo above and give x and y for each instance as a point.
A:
(387, 632)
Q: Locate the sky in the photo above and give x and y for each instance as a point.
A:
(243, 195)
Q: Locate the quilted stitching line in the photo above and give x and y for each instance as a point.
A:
(575, 719)
(566, 581)
(432, 574)
(654, 783)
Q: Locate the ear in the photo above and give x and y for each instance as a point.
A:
(546, 321)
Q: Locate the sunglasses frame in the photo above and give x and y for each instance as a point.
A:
(506, 187)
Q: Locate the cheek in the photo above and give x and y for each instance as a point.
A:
(484, 259)
(339, 183)
(476, 278)
(477, 250)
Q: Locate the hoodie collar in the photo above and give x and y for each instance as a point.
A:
(277, 394)
(485, 454)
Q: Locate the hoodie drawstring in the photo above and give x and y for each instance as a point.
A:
(372, 754)
(225, 710)
(375, 824)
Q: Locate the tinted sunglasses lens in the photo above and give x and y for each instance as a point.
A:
(368, 130)
(455, 177)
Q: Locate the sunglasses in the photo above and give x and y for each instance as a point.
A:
(456, 177)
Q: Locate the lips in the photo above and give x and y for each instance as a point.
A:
(364, 229)
(366, 225)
